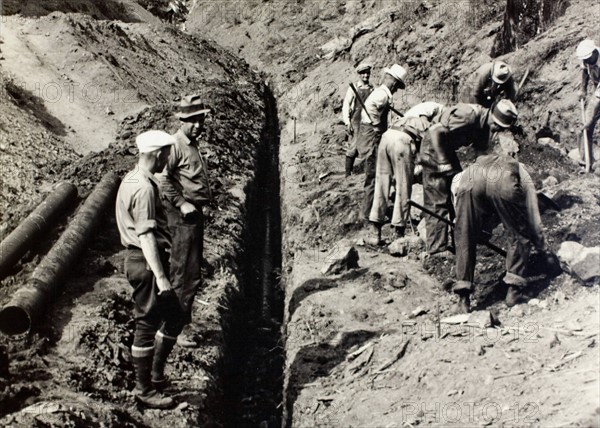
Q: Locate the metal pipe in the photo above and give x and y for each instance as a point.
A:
(16, 244)
(30, 301)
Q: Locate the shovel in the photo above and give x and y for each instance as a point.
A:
(586, 144)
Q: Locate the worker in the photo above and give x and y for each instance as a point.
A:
(186, 190)
(589, 55)
(491, 82)
(396, 161)
(351, 111)
(373, 123)
(142, 225)
(460, 125)
(496, 188)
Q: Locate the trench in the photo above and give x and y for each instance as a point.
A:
(254, 354)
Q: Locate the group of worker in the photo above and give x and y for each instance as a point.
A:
(159, 204)
(161, 224)
(495, 188)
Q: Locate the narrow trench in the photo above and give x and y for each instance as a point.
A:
(254, 355)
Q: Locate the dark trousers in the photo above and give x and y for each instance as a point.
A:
(187, 237)
(436, 197)
(151, 311)
(592, 115)
(473, 219)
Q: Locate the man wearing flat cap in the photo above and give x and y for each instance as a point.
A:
(186, 189)
(589, 55)
(373, 123)
(351, 112)
(142, 225)
(491, 82)
(457, 126)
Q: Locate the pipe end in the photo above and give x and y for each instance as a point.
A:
(14, 320)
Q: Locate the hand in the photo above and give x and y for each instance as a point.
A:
(444, 167)
(163, 284)
(581, 94)
(186, 209)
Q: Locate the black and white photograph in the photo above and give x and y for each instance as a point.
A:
(300, 213)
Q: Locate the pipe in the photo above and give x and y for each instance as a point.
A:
(30, 301)
(16, 244)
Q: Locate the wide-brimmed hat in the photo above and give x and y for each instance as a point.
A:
(397, 72)
(191, 106)
(504, 113)
(585, 49)
(150, 141)
(501, 72)
(363, 67)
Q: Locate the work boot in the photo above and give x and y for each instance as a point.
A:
(514, 297)
(163, 346)
(349, 165)
(144, 392)
(463, 306)
(374, 235)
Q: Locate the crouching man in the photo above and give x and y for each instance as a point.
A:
(143, 228)
(495, 187)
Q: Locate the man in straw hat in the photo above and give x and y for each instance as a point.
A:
(489, 83)
(373, 123)
(457, 126)
(186, 190)
(589, 55)
(143, 228)
(351, 112)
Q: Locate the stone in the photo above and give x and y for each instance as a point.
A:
(422, 230)
(549, 182)
(581, 262)
(456, 319)
(418, 311)
(407, 244)
(416, 196)
(343, 256)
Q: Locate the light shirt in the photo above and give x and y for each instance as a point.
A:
(350, 104)
(593, 70)
(138, 209)
(377, 105)
(185, 177)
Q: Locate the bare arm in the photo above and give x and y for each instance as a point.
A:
(348, 106)
(166, 179)
(152, 256)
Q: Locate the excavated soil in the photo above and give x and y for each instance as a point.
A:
(367, 347)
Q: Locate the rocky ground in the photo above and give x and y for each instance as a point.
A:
(372, 346)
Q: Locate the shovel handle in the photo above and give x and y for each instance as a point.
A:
(587, 150)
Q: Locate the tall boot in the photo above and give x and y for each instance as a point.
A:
(144, 392)
(349, 165)
(163, 345)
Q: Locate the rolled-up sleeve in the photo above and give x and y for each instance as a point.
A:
(143, 210)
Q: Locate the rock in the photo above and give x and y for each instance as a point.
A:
(456, 319)
(574, 155)
(417, 196)
(534, 302)
(422, 230)
(580, 261)
(419, 311)
(402, 246)
(549, 182)
(396, 279)
(480, 319)
(340, 258)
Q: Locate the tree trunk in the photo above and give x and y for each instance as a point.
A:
(525, 19)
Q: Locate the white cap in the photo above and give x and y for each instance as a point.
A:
(150, 141)
(585, 49)
(397, 72)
